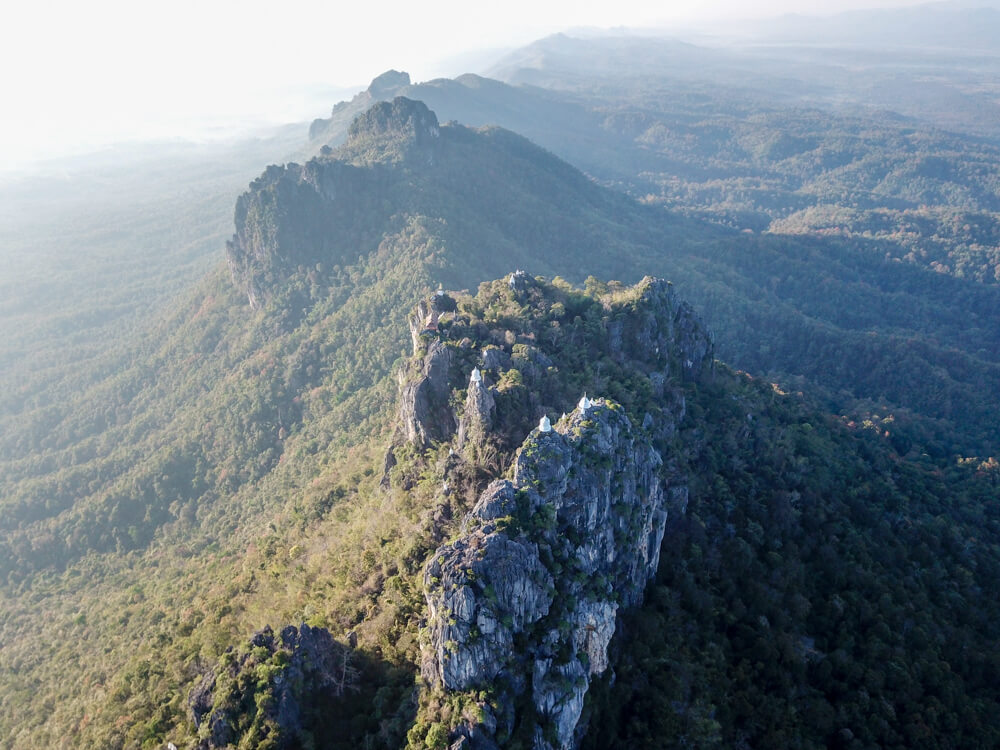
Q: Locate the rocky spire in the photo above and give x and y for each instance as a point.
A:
(572, 495)
(477, 416)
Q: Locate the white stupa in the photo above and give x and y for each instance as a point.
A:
(585, 403)
(544, 425)
(477, 377)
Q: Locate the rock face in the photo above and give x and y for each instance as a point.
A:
(319, 214)
(477, 417)
(386, 86)
(299, 215)
(654, 333)
(271, 691)
(401, 117)
(525, 602)
(526, 599)
(425, 412)
(663, 331)
(402, 130)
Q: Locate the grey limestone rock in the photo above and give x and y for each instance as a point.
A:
(489, 588)
(477, 417)
(663, 333)
(544, 561)
(424, 409)
(495, 358)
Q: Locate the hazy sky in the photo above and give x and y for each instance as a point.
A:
(78, 73)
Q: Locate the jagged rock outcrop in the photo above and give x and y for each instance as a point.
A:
(526, 599)
(662, 330)
(649, 331)
(296, 216)
(320, 214)
(386, 86)
(267, 691)
(425, 412)
(478, 414)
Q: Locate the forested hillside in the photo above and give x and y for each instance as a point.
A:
(211, 445)
(96, 248)
(893, 187)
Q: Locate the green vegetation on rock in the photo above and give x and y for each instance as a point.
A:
(834, 579)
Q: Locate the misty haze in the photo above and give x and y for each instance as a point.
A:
(523, 377)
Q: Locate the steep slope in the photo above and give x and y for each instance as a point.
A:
(545, 559)
(794, 595)
(712, 138)
(899, 337)
(232, 477)
(484, 189)
(562, 124)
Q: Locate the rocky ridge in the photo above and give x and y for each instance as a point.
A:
(318, 214)
(383, 87)
(565, 517)
(524, 603)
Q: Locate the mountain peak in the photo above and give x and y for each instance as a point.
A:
(387, 84)
(401, 118)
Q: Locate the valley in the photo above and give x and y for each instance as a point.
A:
(787, 314)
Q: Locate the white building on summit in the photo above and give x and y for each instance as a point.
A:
(585, 403)
(476, 377)
(544, 425)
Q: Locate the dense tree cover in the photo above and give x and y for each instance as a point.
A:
(96, 248)
(794, 516)
(919, 196)
(915, 194)
(212, 410)
(820, 592)
(218, 471)
(835, 310)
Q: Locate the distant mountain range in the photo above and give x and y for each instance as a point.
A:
(451, 403)
(684, 149)
(963, 27)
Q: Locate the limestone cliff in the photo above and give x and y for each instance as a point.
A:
(319, 214)
(425, 414)
(524, 603)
